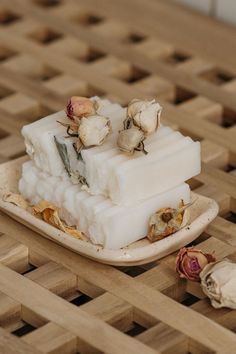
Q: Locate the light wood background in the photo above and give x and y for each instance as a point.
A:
(223, 10)
(52, 300)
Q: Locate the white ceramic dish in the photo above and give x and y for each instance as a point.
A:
(202, 212)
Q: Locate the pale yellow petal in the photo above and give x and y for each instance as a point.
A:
(15, 199)
(49, 213)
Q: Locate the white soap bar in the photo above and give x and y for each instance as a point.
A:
(126, 180)
(116, 226)
(40, 140)
(172, 159)
(98, 163)
(40, 144)
(134, 180)
(106, 224)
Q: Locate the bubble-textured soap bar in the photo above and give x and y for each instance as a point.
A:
(126, 179)
(109, 225)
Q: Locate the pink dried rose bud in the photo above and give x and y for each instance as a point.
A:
(191, 261)
(79, 107)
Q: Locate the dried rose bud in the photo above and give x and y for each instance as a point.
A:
(79, 107)
(191, 261)
(130, 140)
(145, 114)
(218, 281)
(93, 130)
(71, 128)
(165, 222)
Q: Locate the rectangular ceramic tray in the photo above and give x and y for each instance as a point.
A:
(202, 212)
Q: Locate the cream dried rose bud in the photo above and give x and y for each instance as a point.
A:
(79, 107)
(145, 114)
(94, 130)
(191, 261)
(166, 221)
(130, 140)
(218, 281)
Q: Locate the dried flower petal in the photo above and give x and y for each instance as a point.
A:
(191, 261)
(72, 127)
(145, 114)
(49, 213)
(130, 140)
(79, 107)
(94, 130)
(165, 222)
(74, 233)
(15, 199)
(218, 281)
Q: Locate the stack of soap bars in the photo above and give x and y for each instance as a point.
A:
(122, 190)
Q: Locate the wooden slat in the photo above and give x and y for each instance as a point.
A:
(52, 339)
(155, 304)
(10, 311)
(160, 17)
(13, 254)
(178, 77)
(9, 344)
(126, 92)
(56, 278)
(57, 301)
(9, 123)
(223, 230)
(76, 321)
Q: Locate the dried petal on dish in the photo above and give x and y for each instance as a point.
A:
(15, 199)
(49, 213)
(165, 222)
(75, 233)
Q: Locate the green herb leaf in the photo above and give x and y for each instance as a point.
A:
(62, 150)
(79, 156)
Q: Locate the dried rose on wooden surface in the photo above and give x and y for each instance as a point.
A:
(145, 114)
(165, 222)
(191, 261)
(218, 281)
(49, 213)
(79, 107)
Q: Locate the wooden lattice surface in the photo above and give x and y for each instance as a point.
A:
(52, 300)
